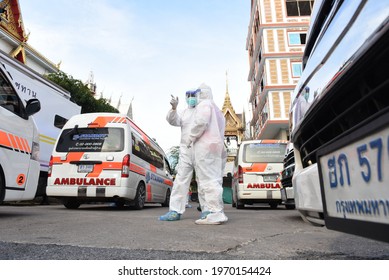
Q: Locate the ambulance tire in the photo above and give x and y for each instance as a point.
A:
(290, 207)
(239, 204)
(120, 204)
(140, 197)
(233, 203)
(167, 199)
(273, 205)
(2, 185)
(71, 203)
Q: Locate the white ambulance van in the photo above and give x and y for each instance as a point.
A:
(257, 173)
(56, 108)
(19, 143)
(106, 157)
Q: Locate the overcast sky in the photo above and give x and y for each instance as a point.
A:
(147, 50)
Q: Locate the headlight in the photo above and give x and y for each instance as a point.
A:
(35, 151)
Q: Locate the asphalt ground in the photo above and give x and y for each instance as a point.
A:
(103, 232)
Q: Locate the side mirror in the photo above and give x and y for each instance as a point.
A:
(33, 106)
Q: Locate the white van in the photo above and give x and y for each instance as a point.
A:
(340, 119)
(56, 108)
(19, 143)
(257, 173)
(105, 157)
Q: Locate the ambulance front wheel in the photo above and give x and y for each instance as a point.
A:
(140, 197)
(71, 203)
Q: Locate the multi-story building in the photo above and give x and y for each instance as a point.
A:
(275, 44)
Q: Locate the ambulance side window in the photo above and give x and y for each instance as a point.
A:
(146, 152)
(8, 97)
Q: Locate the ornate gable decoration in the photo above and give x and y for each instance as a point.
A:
(234, 125)
(230, 121)
(11, 19)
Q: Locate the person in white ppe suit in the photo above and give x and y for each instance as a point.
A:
(183, 119)
(206, 136)
(201, 148)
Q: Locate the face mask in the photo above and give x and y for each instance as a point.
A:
(306, 96)
(192, 101)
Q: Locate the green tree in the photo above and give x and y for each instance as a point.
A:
(80, 94)
(173, 154)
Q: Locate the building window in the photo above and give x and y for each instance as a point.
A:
(297, 69)
(297, 38)
(299, 7)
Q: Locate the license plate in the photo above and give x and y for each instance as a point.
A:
(355, 177)
(85, 168)
(270, 178)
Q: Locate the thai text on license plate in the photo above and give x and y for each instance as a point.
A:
(356, 179)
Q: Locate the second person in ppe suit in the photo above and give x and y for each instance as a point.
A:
(183, 119)
(206, 136)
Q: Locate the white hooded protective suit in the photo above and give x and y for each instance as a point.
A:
(207, 138)
(185, 166)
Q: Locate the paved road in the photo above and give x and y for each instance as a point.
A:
(100, 232)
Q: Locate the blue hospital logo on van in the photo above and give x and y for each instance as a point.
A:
(152, 177)
(89, 136)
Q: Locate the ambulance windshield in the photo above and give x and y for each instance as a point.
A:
(263, 152)
(91, 140)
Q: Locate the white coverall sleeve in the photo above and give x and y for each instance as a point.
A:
(201, 121)
(173, 118)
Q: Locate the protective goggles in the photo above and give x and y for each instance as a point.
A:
(192, 93)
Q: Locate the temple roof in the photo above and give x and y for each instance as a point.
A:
(11, 19)
(13, 35)
(234, 122)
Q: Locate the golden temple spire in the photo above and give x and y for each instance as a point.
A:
(227, 101)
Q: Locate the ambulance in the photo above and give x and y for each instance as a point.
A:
(106, 157)
(257, 173)
(19, 142)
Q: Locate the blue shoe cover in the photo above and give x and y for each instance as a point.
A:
(205, 214)
(170, 216)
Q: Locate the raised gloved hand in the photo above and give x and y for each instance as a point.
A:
(174, 102)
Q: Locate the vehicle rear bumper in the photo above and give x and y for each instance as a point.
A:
(90, 192)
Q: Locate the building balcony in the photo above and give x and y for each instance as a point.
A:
(271, 129)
